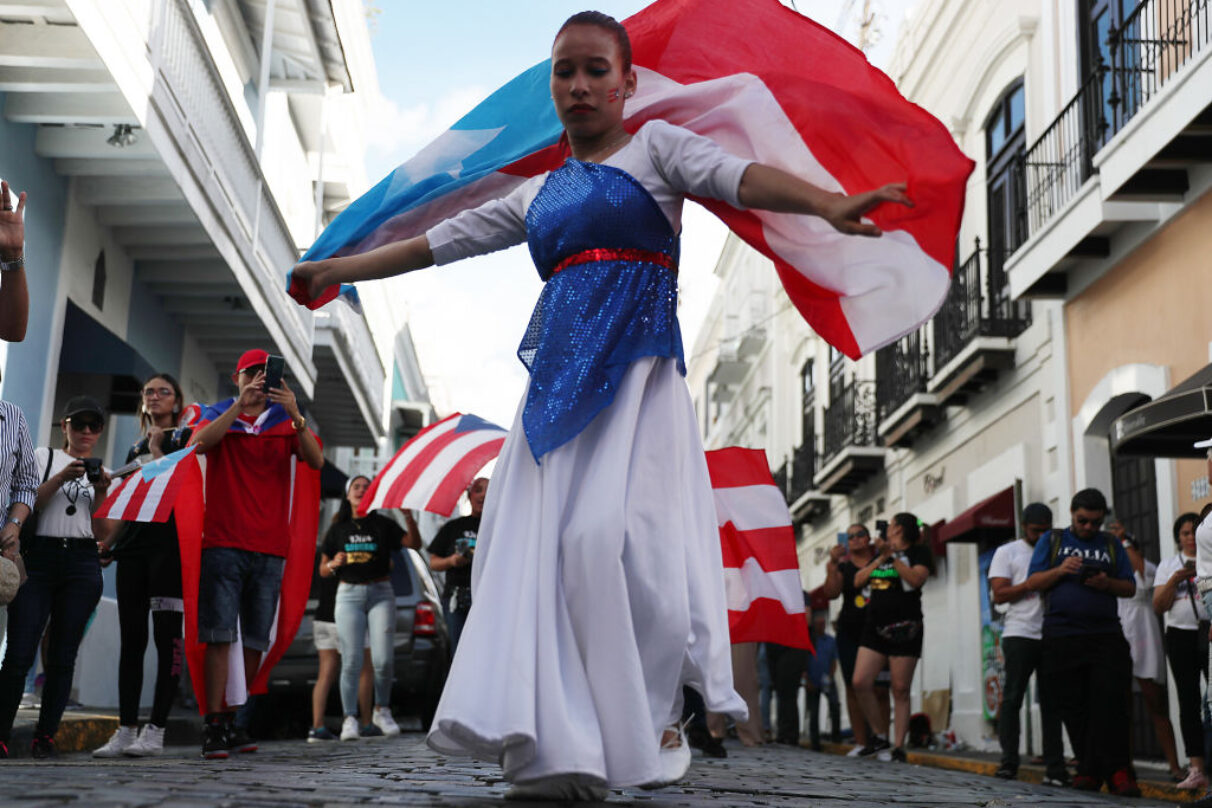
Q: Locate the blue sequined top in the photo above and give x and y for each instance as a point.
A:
(593, 319)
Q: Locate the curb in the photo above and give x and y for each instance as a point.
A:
(78, 732)
(1027, 774)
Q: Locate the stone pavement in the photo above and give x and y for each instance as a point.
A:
(404, 771)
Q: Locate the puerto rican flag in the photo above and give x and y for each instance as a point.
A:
(149, 493)
(765, 83)
(761, 568)
(432, 470)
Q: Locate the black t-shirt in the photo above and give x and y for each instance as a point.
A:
(892, 600)
(444, 545)
(145, 537)
(325, 592)
(854, 601)
(367, 543)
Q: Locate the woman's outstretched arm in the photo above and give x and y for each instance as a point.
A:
(391, 259)
(767, 188)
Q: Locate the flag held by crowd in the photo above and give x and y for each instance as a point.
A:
(765, 83)
(148, 493)
(432, 470)
(761, 568)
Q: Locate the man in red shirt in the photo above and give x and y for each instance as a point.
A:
(251, 444)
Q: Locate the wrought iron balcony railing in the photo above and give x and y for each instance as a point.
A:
(781, 478)
(850, 419)
(803, 466)
(975, 309)
(901, 370)
(1155, 41)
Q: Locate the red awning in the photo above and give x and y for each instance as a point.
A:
(995, 513)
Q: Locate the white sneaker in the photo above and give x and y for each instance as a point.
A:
(349, 729)
(675, 759)
(560, 788)
(1195, 780)
(855, 751)
(118, 743)
(149, 743)
(382, 719)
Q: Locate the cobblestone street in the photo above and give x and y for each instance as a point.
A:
(406, 772)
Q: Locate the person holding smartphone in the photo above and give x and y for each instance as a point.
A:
(64, 571)
(1174, 596)
(892, 634)
(251, 443)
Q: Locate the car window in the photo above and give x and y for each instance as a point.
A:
(401, 581)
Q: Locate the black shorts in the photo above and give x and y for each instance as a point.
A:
(902, 638)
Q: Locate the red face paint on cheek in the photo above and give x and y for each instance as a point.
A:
(613, 95)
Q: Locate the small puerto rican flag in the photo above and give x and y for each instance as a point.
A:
(148, 494)
(761, 568)
(432, 470)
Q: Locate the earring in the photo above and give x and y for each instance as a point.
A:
(628, 94)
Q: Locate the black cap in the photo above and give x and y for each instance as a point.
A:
(83, 404)
(1037, 513)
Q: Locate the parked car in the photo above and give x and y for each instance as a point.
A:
(422, 642)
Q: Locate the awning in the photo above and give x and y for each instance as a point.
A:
(89, 347)
(989, 518)
(1167, 426)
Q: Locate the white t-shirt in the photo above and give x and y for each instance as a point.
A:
(1181, 614)
(1024, 617)
(53, 519)
(668, 160)
(1203, 548)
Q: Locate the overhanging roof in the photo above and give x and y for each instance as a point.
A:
(992, 515)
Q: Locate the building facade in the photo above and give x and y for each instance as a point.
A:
(1075, 299)
(178, 156)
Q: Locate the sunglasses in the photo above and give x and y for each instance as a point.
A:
(157, 392)
(253, 371)
(86, 424)
(856, 535)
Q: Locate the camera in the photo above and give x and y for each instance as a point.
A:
(92, 468)
(1189, 564)
(465, 546)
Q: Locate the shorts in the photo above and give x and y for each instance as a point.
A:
(900, 639)
(325, 637)
(238, 587)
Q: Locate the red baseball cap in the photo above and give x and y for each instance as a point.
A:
(251, 359)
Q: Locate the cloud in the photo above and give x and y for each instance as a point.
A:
(396, 133)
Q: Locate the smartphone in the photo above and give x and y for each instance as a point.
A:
(274, 367)
(881, 528)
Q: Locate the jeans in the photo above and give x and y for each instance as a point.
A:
(786, 669)
(1089, 681)
(64, 586)
(362, 609)
(814, 715)
(457, 605)
(234, 583)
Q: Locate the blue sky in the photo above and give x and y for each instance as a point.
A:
(435, 61)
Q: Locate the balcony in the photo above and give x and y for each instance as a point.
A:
(348, 403)
(851, 455)
(805, 502)
(974, 330)
(904, 408)
(1130, 149)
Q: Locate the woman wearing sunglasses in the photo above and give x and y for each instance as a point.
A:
(148, 581)
(64, 574)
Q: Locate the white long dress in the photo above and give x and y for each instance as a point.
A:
(598, 582)
(1142, 629)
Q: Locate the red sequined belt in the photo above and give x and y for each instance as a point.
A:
(615, 254)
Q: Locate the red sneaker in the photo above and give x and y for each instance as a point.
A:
(1123, 784)
(1087, 782)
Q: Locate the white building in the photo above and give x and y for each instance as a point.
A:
(1078, 294)
(179, 155)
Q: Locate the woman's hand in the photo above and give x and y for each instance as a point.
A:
(337, 561)
(72, 471)
(155, 440)
(312, 275)
(845, 213)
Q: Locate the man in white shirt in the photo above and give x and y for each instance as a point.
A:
(1021, 643)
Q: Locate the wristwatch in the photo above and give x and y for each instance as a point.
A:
(15, 521)
(299, 423)
(12, 266)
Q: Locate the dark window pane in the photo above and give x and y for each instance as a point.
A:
(1016, 109)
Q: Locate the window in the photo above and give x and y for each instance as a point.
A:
(99, 281)
(1005, 147)
(807, 402)
(837, 374)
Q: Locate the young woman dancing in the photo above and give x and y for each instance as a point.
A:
(598, 584)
